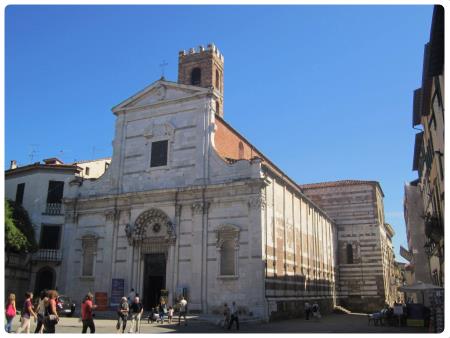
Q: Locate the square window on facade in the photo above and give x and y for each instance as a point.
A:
(159, 154)
(87, 171)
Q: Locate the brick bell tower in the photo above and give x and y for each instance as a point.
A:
(203, 67)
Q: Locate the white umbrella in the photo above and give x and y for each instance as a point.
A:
(420, 287)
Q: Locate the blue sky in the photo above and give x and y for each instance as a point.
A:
(324, 91)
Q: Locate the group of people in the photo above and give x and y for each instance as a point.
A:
(125, 309)
(159, 312)
(45, 313)
(132, 307)
(230, 315)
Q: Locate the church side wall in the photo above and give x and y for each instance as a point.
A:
(299, 251)
(358, 219)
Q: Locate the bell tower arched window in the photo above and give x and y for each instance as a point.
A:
(217, 80)
(196, 76)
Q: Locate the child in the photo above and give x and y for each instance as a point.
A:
(170, 314)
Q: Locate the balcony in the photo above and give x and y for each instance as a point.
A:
(433, 228)
(53, 209)
(48, 255)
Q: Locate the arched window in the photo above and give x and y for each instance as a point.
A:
(241, 150)
(217, 80)
(227, 250)
(196, 76)
(349, 254)
(89, 248)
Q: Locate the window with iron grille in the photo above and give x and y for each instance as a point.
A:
(55, 191)
(159, 154)
(50, 237)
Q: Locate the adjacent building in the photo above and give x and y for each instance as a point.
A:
(40, 189)
(366, 273)
(428, 113)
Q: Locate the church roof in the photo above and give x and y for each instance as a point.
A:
(227, 141)
(338, 184)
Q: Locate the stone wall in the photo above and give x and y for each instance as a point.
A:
(360, 225)
(298, 241)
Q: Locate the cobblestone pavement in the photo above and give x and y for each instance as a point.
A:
(333, 323)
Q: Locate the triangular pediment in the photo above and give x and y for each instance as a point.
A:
(158, 92)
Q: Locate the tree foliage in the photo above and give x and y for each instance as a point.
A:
(19, 232)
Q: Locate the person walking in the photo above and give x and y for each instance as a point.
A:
(87, 316)
(122, 313)
(136, 313)
(234, 316)
(51, 317)
(183, 309)
(162, 309)
(40, 310)
(10, 312)
(27, 313)
(316, 311)
(131, 297)
(307, 310)
(226, 315)
(170, 314)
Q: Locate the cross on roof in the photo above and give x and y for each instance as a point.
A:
(162, 65)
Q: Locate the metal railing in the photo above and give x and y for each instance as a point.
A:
(48, 255)
(53, 209)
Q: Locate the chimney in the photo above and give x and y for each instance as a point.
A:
(13, 164)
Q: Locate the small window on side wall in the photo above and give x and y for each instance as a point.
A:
(349, 254)
(241, 150)
(159, 154)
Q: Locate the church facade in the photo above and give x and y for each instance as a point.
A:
(188, 205)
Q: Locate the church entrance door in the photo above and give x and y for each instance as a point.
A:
(154, 278)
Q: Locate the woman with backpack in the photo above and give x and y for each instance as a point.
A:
(27, 313)
(10, 312)
(51, 317)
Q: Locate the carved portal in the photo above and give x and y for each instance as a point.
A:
(151, 226)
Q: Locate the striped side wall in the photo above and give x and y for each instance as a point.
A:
(298, 250)
(361, 284)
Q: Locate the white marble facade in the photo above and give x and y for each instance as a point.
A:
(182, 210)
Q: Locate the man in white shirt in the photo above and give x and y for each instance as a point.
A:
(234, 316)
(183, 310)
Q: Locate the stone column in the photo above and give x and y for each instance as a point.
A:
(256, 212)
(111, 220)
(197, 289)
(176, 249)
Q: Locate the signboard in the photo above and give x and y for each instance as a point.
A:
(117, 291)
(101, 300)
(406, 254)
